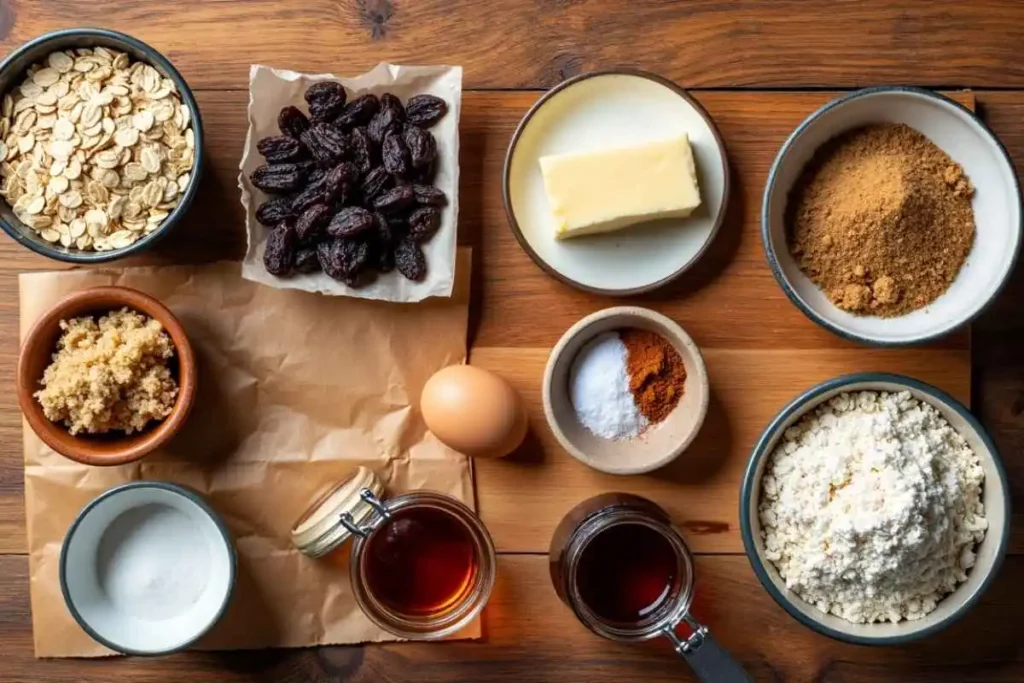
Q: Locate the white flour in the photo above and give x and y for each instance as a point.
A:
(599, 389)
(153, 562)
(871, 507)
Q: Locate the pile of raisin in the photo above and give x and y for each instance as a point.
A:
(352, 184)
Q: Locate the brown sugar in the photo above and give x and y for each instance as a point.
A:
(881, 220)
(656, 373)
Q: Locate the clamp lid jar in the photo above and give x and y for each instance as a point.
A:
(421, 565)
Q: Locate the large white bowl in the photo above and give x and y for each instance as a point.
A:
(997, 211)
(995, 497)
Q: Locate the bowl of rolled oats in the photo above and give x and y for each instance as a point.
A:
(875, 509)
(100, 145)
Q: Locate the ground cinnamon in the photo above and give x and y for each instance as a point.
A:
(881, 220)
(656, 373)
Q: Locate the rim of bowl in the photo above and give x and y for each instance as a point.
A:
(18, 232)
(773, 259)
(180, 490)
(633, 312)
(187, 374)
(525, 121)
(800, 405)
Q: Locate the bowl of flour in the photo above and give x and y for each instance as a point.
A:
(875, 509)
(147, 568)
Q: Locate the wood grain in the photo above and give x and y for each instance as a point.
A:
(536, 43)
(533, 638)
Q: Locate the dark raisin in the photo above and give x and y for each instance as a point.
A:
(273, 211)
(382, 229)
(423, 223)
(326, 143)
(385, 257)
(340, 181)
(399, 228)
(310, 222)
(281, 148)
(307, 198)
(342, 258)
(383, 122)
(425, 175)
(279, 178)
(389, 101)
(428, 195)
(364, 151)
(358, 112)
(425, 110)
(363, 276)
(395, 199)
(326, 100)
(422, 146)
(292, 122)
(306, 261)
(349, 222)
(279, 252)
(395, 154)
(375, 182)
(409, 260)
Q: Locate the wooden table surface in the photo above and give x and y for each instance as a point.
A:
(759, 67)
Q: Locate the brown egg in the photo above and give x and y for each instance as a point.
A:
(473, 411)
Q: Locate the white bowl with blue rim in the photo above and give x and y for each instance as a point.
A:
(962, 135)
(995, 497)
(147, 568)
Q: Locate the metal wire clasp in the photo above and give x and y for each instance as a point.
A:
(372, 501)
(693, 642)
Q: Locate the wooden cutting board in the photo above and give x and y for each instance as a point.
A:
(760, 350)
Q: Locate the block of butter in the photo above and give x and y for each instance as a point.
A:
(611, 189)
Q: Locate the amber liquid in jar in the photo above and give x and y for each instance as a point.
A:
(421, 561)
(626, 573)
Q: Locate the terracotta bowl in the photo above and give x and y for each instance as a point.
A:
(659, 445)
(37, 350)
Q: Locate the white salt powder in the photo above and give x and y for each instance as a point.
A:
(599, 389)
(154, 563)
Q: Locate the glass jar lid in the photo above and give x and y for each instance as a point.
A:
(327, 523)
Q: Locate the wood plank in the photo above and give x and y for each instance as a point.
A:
(533, 638)
(536, 43)
(523, 497)
(730, 301)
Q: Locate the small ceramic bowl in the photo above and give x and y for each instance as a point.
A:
(12, 72)
(36, 353)
(147, 568)
(995, 497)
(997, 211)
(661, 443)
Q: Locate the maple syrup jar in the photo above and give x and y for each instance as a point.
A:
(422, 564)
(623, 569)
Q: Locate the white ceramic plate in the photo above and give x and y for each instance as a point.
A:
(997, 211)
(124, 561)
(599, 111)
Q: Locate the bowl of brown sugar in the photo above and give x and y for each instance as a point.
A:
(892, 216)
(625, 390)
(106, 376)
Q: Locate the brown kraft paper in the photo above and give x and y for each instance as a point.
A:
(294, 391)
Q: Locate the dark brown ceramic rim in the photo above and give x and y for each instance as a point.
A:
(34, 358)
(514, 223)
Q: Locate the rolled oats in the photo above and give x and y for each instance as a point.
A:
(95, 150)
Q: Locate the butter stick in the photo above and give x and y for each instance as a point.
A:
(606, 190)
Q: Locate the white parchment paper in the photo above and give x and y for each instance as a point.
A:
(272, 89)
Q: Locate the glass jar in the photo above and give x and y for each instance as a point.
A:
(618, 563)
(421, 565)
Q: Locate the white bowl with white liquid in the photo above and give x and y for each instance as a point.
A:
(147, 568)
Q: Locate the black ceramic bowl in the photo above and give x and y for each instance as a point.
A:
(995, 497)
(12, 72)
